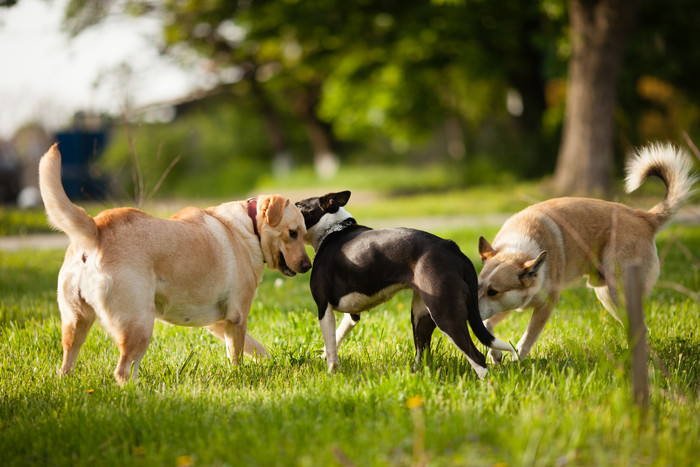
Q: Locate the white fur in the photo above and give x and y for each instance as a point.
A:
(662, 154)
(481, 371)
(346, 325)
(354, 301)
(328, 224)
(514, 241)
(328, 331)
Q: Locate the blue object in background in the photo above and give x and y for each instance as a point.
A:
(79, 150)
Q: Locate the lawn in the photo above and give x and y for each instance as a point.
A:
(570, 403)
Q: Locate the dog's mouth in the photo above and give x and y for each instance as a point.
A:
(284, 269)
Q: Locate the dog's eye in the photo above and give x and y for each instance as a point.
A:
(293, 234)
(491, 292)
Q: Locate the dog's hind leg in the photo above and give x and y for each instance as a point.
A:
(132, 347)
(254, 349)
(448, 311)
(423, 327)
(348, 323)
(77, 318)
(610, 301)
(251, 347)
(495, 355)
(129, 316)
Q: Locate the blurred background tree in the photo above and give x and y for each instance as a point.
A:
(477, 84)
(599, 34)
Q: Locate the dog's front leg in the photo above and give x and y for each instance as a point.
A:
(540, 316)
(496, 356)
(235, 340)
(328, 330)
(347, 324)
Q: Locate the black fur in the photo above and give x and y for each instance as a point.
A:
(359, 259)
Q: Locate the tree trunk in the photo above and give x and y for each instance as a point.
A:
(282, 159)
(326, 162)
(599, 32)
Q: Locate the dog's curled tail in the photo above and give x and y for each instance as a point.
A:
(62, 214)
(673, 167)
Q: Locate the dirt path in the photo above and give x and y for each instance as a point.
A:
(689, 215)
(429, 223)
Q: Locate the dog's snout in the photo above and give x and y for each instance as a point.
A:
(305, 265)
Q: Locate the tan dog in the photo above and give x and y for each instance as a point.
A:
(544, 248)
(197, 268)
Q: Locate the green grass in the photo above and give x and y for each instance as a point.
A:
(569, 404)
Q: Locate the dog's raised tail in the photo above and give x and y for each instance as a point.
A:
(62, 214)
(673, 166)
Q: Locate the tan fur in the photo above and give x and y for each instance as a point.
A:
(544, 248)
(197, 268)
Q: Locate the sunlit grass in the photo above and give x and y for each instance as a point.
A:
(569, 404)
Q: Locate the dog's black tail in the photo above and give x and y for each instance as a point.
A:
(474, 318)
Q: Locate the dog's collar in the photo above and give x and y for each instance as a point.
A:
(342, 225)
(252, 213)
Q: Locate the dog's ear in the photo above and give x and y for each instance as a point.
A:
(486, 251)
(531, 268)
(272, 208)
(333, 201)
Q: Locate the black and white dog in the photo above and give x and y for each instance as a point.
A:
(357, 268)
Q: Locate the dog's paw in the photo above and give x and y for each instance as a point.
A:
(523, 353)
(496, 356)
(332, 366)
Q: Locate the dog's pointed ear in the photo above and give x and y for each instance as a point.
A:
(272, 208)
(333, 201)
(532, 268)
(486, 251)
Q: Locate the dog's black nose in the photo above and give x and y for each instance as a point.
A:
(305, 265)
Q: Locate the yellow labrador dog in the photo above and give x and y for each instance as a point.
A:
(197, 268)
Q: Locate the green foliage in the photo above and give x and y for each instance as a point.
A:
(569, 404)
(15, 221)
(378, 71)
(221, 152)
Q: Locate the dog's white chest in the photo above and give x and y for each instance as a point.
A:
(355, 302)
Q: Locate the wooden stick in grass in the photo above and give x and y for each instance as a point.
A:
(637, 334)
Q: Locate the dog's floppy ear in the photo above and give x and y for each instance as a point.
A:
(532, 267)
(486, 251)
(272, 208)
(333, 201)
